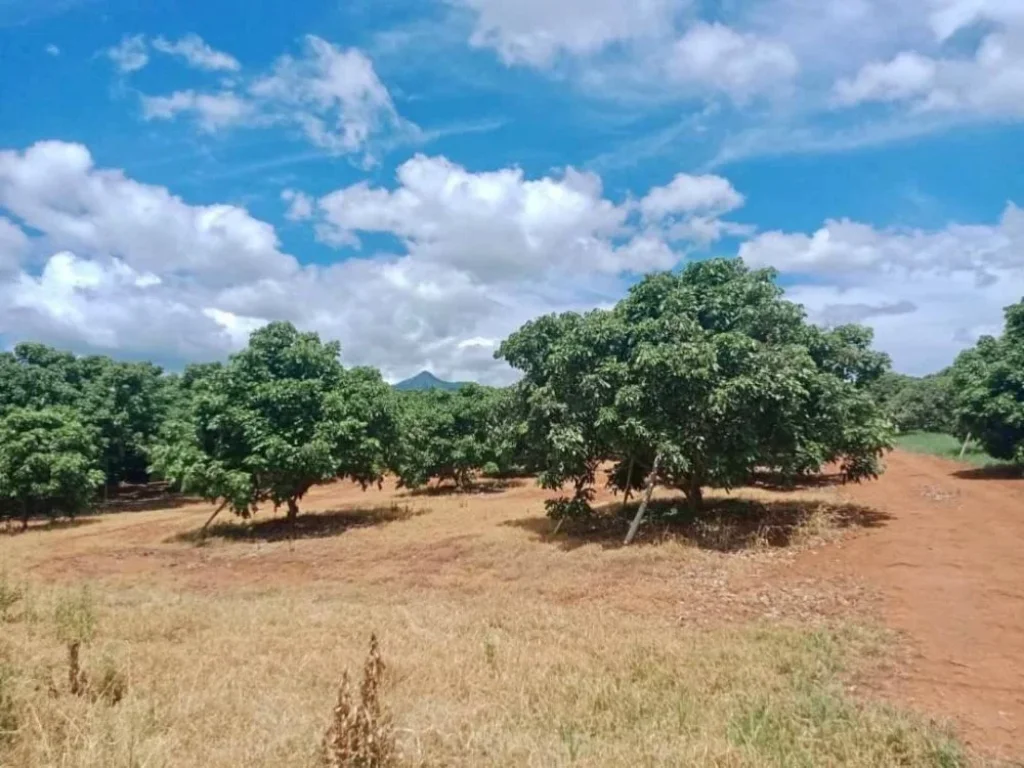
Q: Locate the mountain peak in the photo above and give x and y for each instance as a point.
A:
(426, 380)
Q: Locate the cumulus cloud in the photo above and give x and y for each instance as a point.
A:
(300, 205)
(535, 32)
(617, 46)
(949, 285)
(501, 225)
(332, 95)
(55, 188)
(990, 82)
(213, 111)
(130, 55)
(197, 53)
(741, 64)
(689, 194)
(13, 244)
(937, 77)
(136, 270)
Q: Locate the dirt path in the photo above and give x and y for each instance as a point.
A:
(950, 569)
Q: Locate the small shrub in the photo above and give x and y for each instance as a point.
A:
(361, 734)
(76, 625)
(577, 508)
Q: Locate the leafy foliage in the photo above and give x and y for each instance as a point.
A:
(708, 371)
(282, 416)
(124, 403)
(48, 463)
(988, 382)
(447, 434)
(918, 404)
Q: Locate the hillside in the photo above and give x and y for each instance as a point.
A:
(427, 380)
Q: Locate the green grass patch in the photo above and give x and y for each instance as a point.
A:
(947, 446)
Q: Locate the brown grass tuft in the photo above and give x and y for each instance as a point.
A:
(361, 733)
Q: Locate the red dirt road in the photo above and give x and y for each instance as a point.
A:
(949, 566)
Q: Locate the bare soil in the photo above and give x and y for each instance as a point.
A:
(949, 569)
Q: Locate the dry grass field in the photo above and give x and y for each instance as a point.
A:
(709, 644)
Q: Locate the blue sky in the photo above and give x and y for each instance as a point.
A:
(417, 178)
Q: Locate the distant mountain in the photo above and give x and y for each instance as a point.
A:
(427, 380)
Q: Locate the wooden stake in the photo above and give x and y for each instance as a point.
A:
(635, 525)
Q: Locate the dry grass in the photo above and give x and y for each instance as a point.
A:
(504, 647)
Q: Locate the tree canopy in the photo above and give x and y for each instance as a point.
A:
(282, 416)
(988, 382)
(697, 378)
(918, 404)
(447, 434)
(124, 402)
(49, 463)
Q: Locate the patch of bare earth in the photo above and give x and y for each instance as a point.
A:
(496, 538)
(949, 569)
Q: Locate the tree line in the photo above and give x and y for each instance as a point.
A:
(695, 380)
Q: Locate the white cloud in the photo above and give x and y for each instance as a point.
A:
(138, 271)
(300, 205)
(947, 17)
(991, 82)
(13, 245)
(213, 111)
(535, 32)
(906, 76)
(333, 94)
(197, 53)
(949, 285)
(618, 48)
(689, 194)
(55, 188)
(130, 55)
(741, 64)
(499, 225)
(52, 50)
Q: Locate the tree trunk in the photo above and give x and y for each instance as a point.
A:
(293, 509)
(695, 496)
(210, 519)
(967, 441)
(629, 481)
(635, 525)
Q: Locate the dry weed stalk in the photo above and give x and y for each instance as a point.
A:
(77, 680)
(361, 734)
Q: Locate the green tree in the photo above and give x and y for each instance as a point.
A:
(282, 416)
(448, 435)
(695, 380)
(49, 463)
(125, 402)
(988, 386)
(918, 404)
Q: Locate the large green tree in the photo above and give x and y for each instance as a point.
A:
(282, 416)
(447, 435)
(125, 402)
(988, 387)
(696, 380)
(49, 463)
(915, 404)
